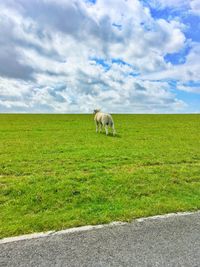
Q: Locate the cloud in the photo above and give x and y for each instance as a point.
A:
(70, 56)
(195, 7)
(188, 71)
(185, 6)
(190, 87)
(10, 60)
(176, 4)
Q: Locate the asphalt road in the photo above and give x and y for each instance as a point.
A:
(173, 241)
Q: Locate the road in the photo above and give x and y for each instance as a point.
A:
(169, 241)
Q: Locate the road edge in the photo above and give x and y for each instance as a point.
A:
(91, 227)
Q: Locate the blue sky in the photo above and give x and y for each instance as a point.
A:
(123, 56)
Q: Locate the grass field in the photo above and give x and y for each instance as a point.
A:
(56, 172)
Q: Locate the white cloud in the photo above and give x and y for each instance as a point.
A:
(192, 6)
(49, 64)
(177, 4)
(195, 7)
(188, 71)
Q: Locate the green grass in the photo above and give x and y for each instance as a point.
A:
(56, 172)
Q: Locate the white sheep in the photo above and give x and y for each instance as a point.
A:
(103, 119)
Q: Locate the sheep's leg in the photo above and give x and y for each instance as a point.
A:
(113, 129)
(106, 128)
(100, 127)
(97, 124)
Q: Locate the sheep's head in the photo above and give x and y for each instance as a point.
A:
(96, 111)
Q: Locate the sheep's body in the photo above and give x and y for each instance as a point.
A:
(105, 120)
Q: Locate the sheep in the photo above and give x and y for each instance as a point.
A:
(103, 119)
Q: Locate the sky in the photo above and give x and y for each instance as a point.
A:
(122, 56)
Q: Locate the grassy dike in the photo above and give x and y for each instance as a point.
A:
(56, 172)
